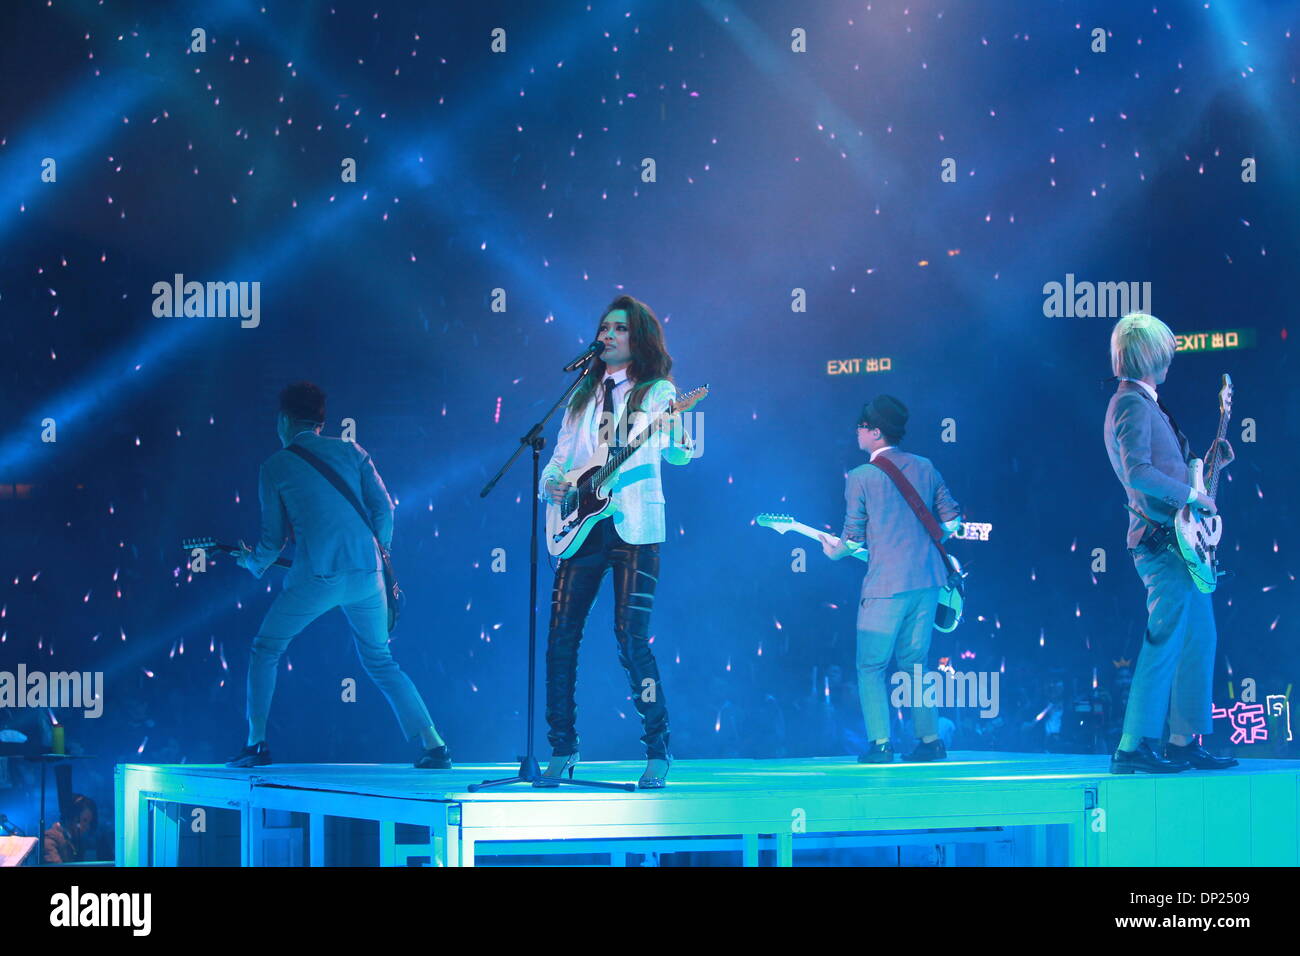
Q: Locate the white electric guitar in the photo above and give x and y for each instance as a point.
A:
(783, 523)
(1197, 534)
(951, 599)
(591, 497)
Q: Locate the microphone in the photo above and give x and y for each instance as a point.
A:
(594, 349)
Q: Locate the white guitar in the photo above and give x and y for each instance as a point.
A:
(591, 499)
(952, 598)
(783, 523)
(1197, 534)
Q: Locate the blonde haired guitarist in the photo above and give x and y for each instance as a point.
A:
(1150, 456)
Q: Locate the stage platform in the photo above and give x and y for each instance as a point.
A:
(1025, 809)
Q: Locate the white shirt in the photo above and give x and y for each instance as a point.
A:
(878, 451)
(1147, 388)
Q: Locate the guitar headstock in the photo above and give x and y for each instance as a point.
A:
(1225, 395)
(685, 403)
(206, 544)
(776, 522)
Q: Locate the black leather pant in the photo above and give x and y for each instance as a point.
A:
(577, 579)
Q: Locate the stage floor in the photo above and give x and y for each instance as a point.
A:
(1038, 808)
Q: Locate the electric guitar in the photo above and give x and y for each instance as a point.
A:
(394, 596)
(591, 497)
(783, 523)
(212, 544)
(952, 598)
(1197, 534)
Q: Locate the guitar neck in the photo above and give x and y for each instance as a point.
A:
(209, 545)
(1212, 466)
(810, 532)
(620, 455)
(807, 531)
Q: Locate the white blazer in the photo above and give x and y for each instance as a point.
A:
(638, 493)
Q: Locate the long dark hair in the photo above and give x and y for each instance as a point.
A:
(650, 359)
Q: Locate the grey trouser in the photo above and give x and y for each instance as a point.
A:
(899, 625)
(1175, 667)
(361, 595)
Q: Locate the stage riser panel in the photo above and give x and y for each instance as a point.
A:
(1203, 820)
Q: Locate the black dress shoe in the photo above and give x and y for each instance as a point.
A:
(926, 753)
(1199, 757)
(257, 755)
(439, 758)
(1144, 759)
(878, 753)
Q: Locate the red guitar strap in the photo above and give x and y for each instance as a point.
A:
(918, 506)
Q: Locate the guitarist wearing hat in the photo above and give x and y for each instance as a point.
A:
(337, 563)
(905, 573)
(1150, 455)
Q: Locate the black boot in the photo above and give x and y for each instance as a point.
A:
(636, 574)
(1144, 759)
(576, 582)
(1198, 757)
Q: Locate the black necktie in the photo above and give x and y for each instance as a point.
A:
(607, 412)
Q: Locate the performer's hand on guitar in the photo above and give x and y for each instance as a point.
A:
(833, 548)
(242, 555)
(556, 490)
(1204, 504)
(1226, 455)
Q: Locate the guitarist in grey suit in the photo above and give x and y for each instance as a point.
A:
(1150, 455)
(336, 563)
(905, 574)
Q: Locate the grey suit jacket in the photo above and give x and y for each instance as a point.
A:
(903, 556)
(328, 533)
(1149, 457)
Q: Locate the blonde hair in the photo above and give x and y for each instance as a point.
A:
(1140, 345)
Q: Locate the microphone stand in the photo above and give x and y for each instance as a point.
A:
(529, 771)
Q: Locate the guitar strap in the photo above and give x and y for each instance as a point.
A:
(391, 590)
(918, 506)
(1184, 445)
(330, 475)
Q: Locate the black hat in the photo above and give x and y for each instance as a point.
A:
(886, 413)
